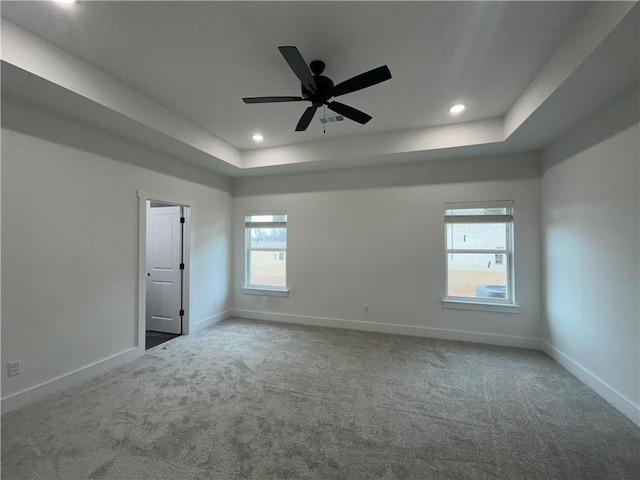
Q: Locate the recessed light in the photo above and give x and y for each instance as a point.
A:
(457, 108)
(257, 137)
(65, 1)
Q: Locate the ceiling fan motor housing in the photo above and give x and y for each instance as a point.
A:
(323, 92)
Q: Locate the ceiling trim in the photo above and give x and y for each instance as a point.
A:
(373, 145)
(42, 59)
(596, 25)
(37, 57)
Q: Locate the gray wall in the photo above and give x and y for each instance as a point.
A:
(376, 236)
(591, 238)
(70, 251)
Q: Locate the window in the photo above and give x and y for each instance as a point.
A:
(479, 240)
(266, 252)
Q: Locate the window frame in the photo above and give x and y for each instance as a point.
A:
(258, 289)
(507, 304)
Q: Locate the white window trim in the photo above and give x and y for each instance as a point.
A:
(460, 304)
(507, 305)
(264, 289)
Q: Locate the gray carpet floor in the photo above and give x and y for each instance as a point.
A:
(254, 400)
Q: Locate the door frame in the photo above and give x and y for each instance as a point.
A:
(144, 199)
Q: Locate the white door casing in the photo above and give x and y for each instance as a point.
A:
(164, 276)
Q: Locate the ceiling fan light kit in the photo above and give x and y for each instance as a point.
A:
(318, 89)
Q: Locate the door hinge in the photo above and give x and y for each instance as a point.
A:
(182, 266)
(181, 219)
(182, 313)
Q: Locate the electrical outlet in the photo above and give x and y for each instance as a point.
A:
(366, 309)
(14, 368)
(215, 304)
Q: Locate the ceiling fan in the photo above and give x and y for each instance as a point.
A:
(318, 89)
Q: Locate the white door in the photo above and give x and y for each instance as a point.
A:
(164, 275)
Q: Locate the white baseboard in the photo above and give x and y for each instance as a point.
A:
(35, 393)
(32, 394)
(415, 331)
(610, 394)
(210, 321)
(615, 398)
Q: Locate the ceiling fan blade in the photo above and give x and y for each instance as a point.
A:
(299, 66)
(271, 99)
(306, 118)
(364, 80)
(349, 112)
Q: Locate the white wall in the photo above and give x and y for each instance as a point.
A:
(376, 236)
(591, 237)
(70, 254)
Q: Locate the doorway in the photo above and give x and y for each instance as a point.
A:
(166, 264)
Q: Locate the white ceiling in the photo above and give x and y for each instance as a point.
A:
(196, 60)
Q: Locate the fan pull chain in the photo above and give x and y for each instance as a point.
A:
(324, 125)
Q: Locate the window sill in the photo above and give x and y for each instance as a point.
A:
(486, 307)
(265, 291)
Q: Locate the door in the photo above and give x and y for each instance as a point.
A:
(164, 269)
